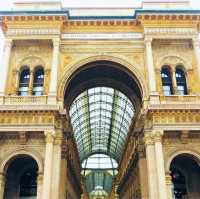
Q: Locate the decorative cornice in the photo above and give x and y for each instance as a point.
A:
(33, 31)
(96, 36)
(170, 32)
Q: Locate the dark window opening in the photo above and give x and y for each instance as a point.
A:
(24, 82)
(166, 82)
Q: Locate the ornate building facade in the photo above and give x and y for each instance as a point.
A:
(100, 103)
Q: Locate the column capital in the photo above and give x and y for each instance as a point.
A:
(49, 136)
(2, 178)
(196, 41)
(157, 136)
(168, 178)
(148, 139)
(56, 42)
(8, 42)
(58, 141)
(148, 40)
(40, 178)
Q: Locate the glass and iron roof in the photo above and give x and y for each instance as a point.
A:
(101, 118)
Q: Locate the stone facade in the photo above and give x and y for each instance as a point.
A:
(166, 127)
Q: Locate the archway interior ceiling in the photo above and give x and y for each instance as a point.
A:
(101, 116)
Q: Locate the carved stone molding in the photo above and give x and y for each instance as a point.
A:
(49, 137)
(148, 139)
(35, 31)
(164, 32)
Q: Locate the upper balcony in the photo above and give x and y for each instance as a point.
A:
(179, 102)
(27, 103)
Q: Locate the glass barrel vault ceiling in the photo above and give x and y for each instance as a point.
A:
(101, 118)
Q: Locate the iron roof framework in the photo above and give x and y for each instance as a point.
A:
(101, 118)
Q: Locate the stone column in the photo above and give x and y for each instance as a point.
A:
(143, 171)
(56, 165)
(54, 72)
(174, 85)
(2, 185)
(46, 81)
(150, 66)
(30, 90)
(5, 65)
(169, 186)
(160, 165)
(39, 185)
(46, 193)
(151, 167)
(15, 81)
(63, 173)
(196, 46)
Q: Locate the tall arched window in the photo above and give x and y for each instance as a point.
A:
(181, 82)
(166, 81)
(38, 82)
(24, 82)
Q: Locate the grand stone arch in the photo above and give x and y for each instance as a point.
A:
(179, 152)
(131, 69)
(14, 154)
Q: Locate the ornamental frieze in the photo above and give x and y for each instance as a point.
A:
(178, 117)
(26, 119)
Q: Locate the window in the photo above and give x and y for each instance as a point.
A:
(181, 82)
(38, 82)
(24, 82)
(166, 81)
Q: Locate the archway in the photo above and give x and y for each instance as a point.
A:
(185, 172)
(21, 178)
(103, 99)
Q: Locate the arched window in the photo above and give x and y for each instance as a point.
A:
(181, 82)
(38, 82)
(24, 82)
(166, 81)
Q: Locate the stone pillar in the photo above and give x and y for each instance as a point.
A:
(2, 185)
(15, 81)
(174, 85)
(196, 46)
(143, 171)
(151, 166)
(56, 165)
(5, 65)
(54, 72)
(63, 173)
(46, 193)
(160, 165)
(39, 185)
(169, 186)
(46, 81)
(150, 66)
(30, 91)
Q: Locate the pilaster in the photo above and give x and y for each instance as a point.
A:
(169, 186)
(54, 72)
(196, 45)
(5, 65)
(151, 166)
(39, 185)
(46, 194)
(56, 164)
(160, 164)
(2, 185)
(150, 65)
